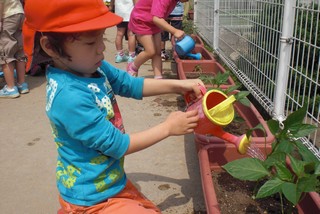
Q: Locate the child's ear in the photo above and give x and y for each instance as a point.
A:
(47, 47)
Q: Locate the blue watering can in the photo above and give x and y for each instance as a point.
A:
(185, 46)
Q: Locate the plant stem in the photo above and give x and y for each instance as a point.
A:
(281, 201)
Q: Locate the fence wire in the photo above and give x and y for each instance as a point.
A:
(251, 37)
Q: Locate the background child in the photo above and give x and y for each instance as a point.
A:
(123, 8)
(11, 48)
(175, 20)
(83, 112)
(147, 20)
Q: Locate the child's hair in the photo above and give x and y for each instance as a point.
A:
(57, 41)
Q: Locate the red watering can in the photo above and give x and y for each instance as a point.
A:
(216, 110)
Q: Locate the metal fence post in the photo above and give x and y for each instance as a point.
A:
(284, 59)
(216, 24)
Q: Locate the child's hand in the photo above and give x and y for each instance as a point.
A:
(178, 34)
(180, 123)
(193, 87)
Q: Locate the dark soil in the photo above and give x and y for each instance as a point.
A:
(236, 127)
(192, 75)
(235, 196)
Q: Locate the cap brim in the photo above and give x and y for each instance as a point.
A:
(105, 21)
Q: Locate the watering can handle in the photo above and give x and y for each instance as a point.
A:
(222, 105)
(187, 98)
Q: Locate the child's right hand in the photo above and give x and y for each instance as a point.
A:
(179, 34)
(180, 123)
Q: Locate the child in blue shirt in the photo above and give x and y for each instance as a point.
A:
(83, 112)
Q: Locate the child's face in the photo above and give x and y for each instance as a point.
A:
(86, 53)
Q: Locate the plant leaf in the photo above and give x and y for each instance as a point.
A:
(304, 130)
(306, 154)
(296, 117)
(270, 187)
(297, 166)
(317, 169)
(274, 158)
(290, 191)
(308, 184)
(283, 172)
(241, 94)
(285, 146)
(250, 169)
(245, 101)
(273, 126)
(231, 88)
(310, 167)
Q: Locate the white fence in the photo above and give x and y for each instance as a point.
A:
(273, 47)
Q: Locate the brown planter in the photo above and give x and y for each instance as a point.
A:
(190, 14)
(186, 70)
(213, 153)
(310, 204)
(208, 162)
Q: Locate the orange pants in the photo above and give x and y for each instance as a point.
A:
(129, 200)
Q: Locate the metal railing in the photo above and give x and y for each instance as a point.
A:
(273, 47)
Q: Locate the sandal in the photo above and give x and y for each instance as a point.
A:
(131, 70)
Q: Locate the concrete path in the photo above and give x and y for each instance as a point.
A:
(167, 173)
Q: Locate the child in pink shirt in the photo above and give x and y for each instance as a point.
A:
(147, 20)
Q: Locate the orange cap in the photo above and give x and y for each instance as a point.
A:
(68, 15)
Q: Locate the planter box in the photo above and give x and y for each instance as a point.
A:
(214, 153)
(208, 161)
(186, 70)
(310, 204)
(190, 14)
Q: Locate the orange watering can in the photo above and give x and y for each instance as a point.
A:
(216, 110)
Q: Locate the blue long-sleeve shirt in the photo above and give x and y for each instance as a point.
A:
(88, 131)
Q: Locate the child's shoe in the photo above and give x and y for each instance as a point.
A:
(164, 56)
(132, 70)
(121, 58)
(131, 58)
(139, 48)
(23, 88)
(9, 93)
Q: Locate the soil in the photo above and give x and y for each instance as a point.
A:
(236, 196)
(237, 128)
(192, 75)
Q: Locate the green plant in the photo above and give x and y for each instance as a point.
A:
(290, 170)
(197, 68)
(222, 78)
(188, 26)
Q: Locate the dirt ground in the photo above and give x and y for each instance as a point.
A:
(167, 173)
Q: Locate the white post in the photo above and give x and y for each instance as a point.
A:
(216, 25)
(284, 59)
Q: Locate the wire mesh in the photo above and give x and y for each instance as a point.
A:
(249, 41)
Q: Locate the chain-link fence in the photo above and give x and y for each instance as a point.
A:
(273, 47)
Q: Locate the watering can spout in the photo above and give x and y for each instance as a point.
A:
(244, 144)
(196, 56)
